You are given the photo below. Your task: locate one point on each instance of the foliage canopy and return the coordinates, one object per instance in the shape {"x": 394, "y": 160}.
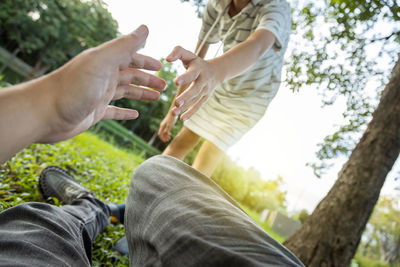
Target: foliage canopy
{"x": 47, "y": 33}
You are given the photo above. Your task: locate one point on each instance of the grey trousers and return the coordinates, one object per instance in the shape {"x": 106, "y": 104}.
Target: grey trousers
{"x": 40, "y": 234}
{"x": 174, "y": 216}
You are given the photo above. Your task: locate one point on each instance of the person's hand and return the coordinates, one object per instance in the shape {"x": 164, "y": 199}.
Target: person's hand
{"x": 202, "y": 75}
{"x": 164, "y": 132}
{"x": 81, "y": 90}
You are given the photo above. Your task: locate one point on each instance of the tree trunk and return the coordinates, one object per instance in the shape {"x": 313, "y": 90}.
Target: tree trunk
{"x": 332, "y": 233}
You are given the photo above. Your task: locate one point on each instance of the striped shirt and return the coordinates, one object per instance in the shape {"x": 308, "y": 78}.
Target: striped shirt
{"x": 238, "y": 104}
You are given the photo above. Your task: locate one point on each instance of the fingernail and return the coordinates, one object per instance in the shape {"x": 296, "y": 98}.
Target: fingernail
{"x": 184, "y": 118}
{"x": 180, "y": 103}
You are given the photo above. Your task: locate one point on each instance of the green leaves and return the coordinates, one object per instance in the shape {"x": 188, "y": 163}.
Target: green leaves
{"x": 335, "y": 52}
{"x": 50, "y": 32}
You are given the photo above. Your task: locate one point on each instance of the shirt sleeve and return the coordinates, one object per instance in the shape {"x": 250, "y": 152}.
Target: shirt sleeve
{"x": 275, "y": 17}
{"x": 209, "y": 16}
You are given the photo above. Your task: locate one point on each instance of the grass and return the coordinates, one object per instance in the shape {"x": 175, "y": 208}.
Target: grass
{"x": 98, "y": 165}
{"x": 101, "y": 167}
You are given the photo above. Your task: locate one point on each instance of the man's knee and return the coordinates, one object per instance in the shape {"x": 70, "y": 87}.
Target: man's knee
{"x": 161, "y": 174}
{"x": 156, "y": 175}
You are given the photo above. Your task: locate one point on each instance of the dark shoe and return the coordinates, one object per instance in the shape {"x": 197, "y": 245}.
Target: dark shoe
{"x": 55, "y": 182}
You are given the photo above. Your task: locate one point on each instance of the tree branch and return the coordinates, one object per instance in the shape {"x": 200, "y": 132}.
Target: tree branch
{"x": 385, "y": 38}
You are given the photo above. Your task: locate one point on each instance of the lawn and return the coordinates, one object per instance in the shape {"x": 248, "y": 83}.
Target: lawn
{"x": 98, "y": 165}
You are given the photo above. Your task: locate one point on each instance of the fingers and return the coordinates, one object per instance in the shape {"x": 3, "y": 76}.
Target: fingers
{"x": 190, "y": 96}
{"x": 180, "y": 53}
{"x": 116, "y": 113}
{"x": 193, "y": 109}
{"x": 187, "y": 104}
{"x": 134, "y": 76}
{"x": 135, "y": 92}
{"x": 121, "y": 50}
{"x": 145, "y": 62}
{"x": 189, "y": 76}
{"x": 190, "y": 100}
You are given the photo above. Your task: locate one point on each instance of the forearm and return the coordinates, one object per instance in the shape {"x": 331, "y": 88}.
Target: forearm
{"x": 23, "y": 111}
{"x": 242, "y": 56}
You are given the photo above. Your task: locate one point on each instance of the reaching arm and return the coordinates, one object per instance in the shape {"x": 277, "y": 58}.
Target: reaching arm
{"x": 71, "y": 99}
{"x": 204, "y": 75}
{"x": 164, "y": 132}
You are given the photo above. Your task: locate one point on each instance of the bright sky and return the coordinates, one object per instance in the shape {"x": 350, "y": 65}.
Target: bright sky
{"x": 284, "y": 140}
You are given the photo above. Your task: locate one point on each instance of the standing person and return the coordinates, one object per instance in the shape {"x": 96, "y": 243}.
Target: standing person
{"x": 226, "y": 96}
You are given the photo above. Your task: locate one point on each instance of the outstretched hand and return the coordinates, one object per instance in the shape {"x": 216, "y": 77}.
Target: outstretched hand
{"x": 203, "y": 77}
{"x": 83, "y": 88}
{"x": 72, "y": 98}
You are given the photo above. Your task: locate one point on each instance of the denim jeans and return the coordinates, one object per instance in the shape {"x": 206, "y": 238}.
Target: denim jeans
{"x": 175, "y": 216}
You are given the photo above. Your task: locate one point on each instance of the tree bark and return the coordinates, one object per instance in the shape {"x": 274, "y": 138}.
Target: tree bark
{"x": 333, "y": 231}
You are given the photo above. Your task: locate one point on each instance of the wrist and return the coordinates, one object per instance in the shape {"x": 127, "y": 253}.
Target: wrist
{"x": 40, "y": 95}
{"x": 171, "y": 114}
{"x": 23, "y": 110}
{"x": 218, "y": 68}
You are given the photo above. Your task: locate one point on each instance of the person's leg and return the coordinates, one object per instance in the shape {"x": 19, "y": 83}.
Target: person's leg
{"x": 175, "y": 216}
{"x": 185, "y": 141}
{"x": 39, "y": 234}
{"x": 207, "y": 158}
